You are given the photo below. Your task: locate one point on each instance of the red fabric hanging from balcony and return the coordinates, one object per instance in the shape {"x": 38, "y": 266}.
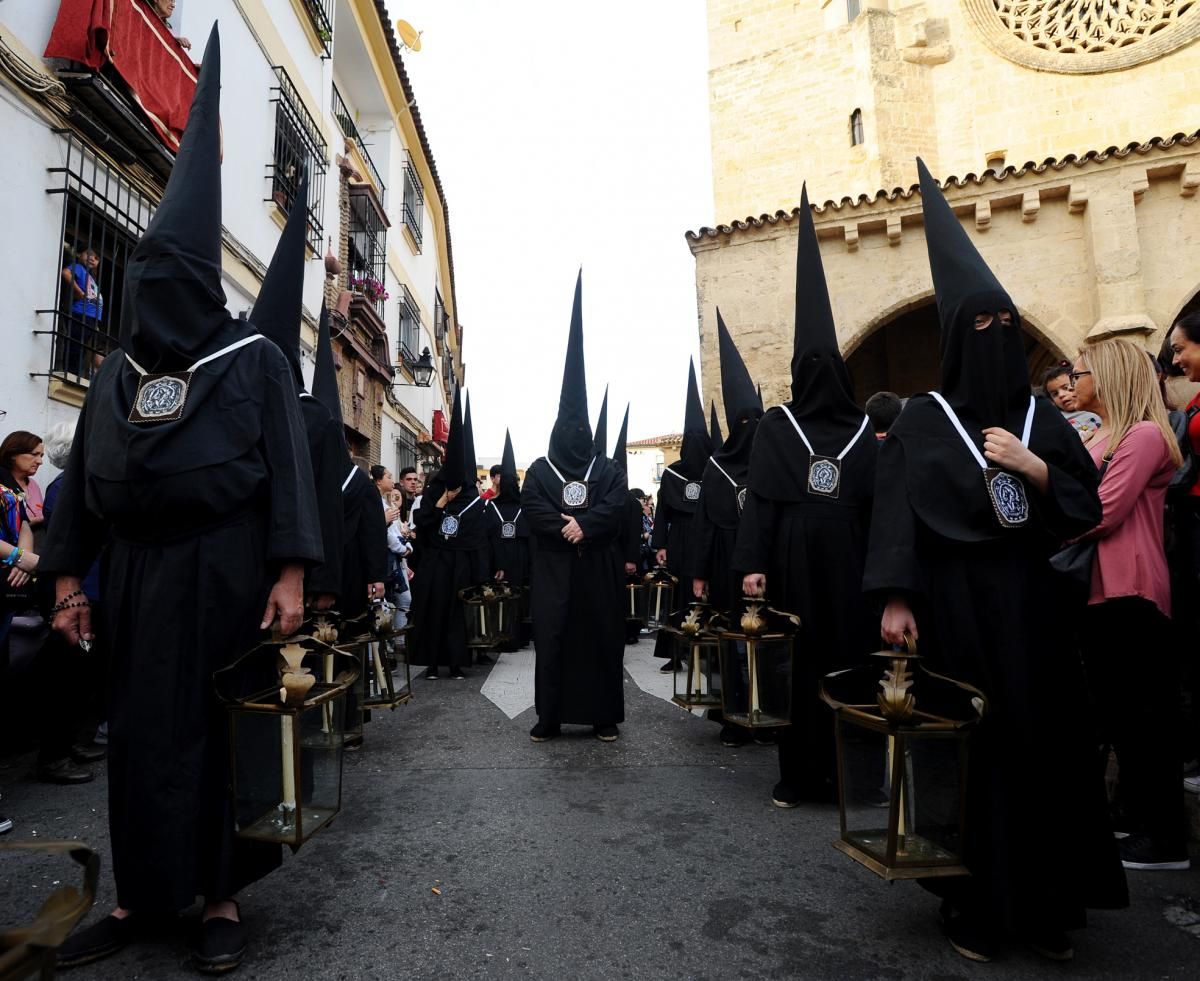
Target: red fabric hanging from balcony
{"x": 130, "y": 36}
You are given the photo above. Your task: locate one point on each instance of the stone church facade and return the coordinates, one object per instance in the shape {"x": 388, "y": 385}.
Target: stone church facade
{"x": 1064, "y": 134}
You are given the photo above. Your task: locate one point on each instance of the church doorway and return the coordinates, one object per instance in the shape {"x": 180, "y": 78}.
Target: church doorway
{"x": 901, "y": 356}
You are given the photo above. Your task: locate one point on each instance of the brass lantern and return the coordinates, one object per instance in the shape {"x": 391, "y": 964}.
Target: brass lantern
{"x": 698, "y": 649}
{"x": 902, "y": 765}
{"x": 379, "y": 687}
{"x": 286, "y": 732}
{"x": 508, "y": 612}
{"x": 480, "y": 611}
{"x": 27, "y": 952}
{"x": 757, "y": 651}
{"x": 659, "y": 597}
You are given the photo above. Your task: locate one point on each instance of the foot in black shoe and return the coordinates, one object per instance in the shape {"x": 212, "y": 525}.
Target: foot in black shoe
{"x": 670, "y": 667}
{"x": 967, "y": 935}
{"x": 543, "y": 731}
{"x": 482, "y": 658}
{"x": 1052, "y": 944}
{"x": 64, "y": 771}
{"x": 457, "y": 674}
{"x": 785, "y": 796}
{"x": 91, "y": 753}
{"x": 607, "y": 734}
{"x": 734, "y": 736}
{"x": 431, "y": 674}
{"x": 1141, "y": 852}
{"x": 221, "y": 946}
{"x": 100, "y": 940}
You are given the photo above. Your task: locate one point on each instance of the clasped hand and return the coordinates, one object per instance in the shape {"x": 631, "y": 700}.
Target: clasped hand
{"x": 571, "y": 530}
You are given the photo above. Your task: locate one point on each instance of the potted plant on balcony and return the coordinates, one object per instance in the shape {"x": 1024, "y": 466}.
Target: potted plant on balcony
{"x": 368, "y": 286}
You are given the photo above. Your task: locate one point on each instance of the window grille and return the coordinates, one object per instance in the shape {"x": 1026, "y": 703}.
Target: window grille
{"x": 367, "y": 240}
{"x": 410, "y": 327}
{"x": 406, "y": 451}
{"x": 413, "y": 210}
{"x": 345, "y": 120}
{"x": 852, "y": 10}
{"x": 105, "y": 214}
{"x": 299, "y": 148}
{"x": 856, "y": 128}
{"x": 320, "y": 12}
{"x": 440, "y": 319}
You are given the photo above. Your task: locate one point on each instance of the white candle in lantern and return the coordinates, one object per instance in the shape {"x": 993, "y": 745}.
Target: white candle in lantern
{"x": 287, "y": 759}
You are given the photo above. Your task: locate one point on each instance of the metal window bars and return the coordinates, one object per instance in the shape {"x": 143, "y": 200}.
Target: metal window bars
{"x": 406, "y": 451}
{"x": 412, "y": 211}
{"x": 345, "y": 121}
{"x": 367, "y": 241}
{"x": 410, "y": 327}
{"x": 104, "y": 215}
{"x": 440, "y": 319}
{"x": 320, "y": 12}
{"x": 299, "y": 148}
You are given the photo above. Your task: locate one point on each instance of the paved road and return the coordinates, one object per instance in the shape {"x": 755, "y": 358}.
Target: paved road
{"x": 659, "y": 856}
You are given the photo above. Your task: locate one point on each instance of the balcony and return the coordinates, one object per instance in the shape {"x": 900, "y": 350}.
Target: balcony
{"x": 345, "y": 121}
{"x": 131, "y": 79}
{"x": 320, "y": 14}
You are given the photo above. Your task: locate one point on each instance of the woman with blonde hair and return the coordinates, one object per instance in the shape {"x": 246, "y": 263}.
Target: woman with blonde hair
{"x": 1131, "y": 671}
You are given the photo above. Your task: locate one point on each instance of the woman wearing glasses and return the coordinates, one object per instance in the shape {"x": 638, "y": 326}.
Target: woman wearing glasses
{"x": 1130, "y": 598}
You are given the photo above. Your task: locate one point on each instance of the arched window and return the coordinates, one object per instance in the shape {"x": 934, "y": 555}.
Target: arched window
{"x": 852, "y": 10}
{"x": 856, "y": 128}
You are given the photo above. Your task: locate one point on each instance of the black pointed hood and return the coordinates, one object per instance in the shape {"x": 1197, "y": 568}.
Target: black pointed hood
{"x": 325, "y": 386}
{"x": 453, "y": 473}
{"x": 985, "y": 376}
{"x": 571, "y": 438}
{"x": 715, "y": 439}
{"x": 510, "y": 486}
{"x": 743, "y": 406}
{"x": 737, "y": 388}
{"x": 620, "y": 457}
{"x": 822, "y": 395}
{"x": 174, "y": 304}
{"x": 697, "y": 444}
{"x": 280, "y": 304}
{"x": 600, "y": 434}
{"x": 470, "y": 461}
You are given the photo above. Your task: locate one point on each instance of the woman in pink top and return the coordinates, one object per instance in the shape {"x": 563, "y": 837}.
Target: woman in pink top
{"x": 1124, "y": 633}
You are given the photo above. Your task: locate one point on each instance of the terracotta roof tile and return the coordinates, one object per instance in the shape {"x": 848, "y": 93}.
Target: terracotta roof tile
{"x": 905, "y": 193}
{"x": 668, "y": 440}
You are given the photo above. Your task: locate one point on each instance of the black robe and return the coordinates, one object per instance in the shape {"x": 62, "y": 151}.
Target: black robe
{"x": 990, "y": 613}
{"x": 673, "y": 518}
{"x": 193, "y": 553}
{"x": 509, "y": 555}
{"x": 811, "y": 549}
{"x": 326, "y": 452}
{"x": 577, "y": 598}
{"x": 448, "y": 565}
{"x": 365, "y": 553}
{"x": 714, "y": 534}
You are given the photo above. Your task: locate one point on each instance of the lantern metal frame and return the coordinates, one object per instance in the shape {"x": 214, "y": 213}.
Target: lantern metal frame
{"x": 897, "y": 851}
{"x": 290, "y": 821}
{"x": 698, "y": 649}
{"x": 660, "y": 597}
{"x": 492, "y": 613}
{"x": 757, "y": 625}
{"x": 635, "y": 601}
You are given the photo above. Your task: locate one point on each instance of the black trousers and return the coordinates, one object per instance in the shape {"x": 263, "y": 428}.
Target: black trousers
{"x": 1134, "y": 683}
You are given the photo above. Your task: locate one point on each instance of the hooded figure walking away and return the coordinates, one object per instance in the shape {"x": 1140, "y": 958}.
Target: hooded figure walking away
{"x": 510, "y": 533}
{"x": 483, "y": 560}
{"x": 364, "y": 529}
{"x": 277, "y": 315}
{"x": 192, "y": 462}
{"x": 715, "y": 524}
{"x": 452, "y": 528}
{"x": 574, "y": 500}
{"x": 678, "y": 498}
{"x": 629, "y": 535}
{"x": 978, "y": 484}
{"x": 803, "y": 533}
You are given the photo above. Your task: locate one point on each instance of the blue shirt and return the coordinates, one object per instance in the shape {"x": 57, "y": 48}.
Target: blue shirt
{"x": 93, "y": 304}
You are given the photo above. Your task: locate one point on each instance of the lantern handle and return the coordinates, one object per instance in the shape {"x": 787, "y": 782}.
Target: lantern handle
{"x": 909, "y": 646}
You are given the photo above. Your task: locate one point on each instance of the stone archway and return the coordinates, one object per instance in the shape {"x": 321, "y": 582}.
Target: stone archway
{"x": 901, "y": 355}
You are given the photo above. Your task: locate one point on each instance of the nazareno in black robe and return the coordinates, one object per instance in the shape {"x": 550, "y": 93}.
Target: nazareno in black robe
{"x": 448, "y": 565}
{"x": 509, "y": 555}
{"x": 327, "y": 455}
{"x": 577, "y": 598}
{"x": 365, "y": 555}
{"x": 202, "y": 512}
{"x": 811, "y": 548}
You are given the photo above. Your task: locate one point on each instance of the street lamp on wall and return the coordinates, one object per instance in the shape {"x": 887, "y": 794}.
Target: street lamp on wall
{"x": 422, "y": 371}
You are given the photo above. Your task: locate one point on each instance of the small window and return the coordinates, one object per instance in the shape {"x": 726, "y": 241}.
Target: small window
{"x": 406, "y": 450}
{"x": 299, "y": 149}
{"x": 413, "y": 208}
{"x": 410, "y": 326}
{"x": 852, "y": 10}
{"x": 856, "y": 128}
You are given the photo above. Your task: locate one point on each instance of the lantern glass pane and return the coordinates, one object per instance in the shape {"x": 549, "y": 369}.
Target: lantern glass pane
{"x": 380, "y": 689}
{"x": 508, "y": 617}
{"x": 635, "y": 601}
{"x": 698, "y": 682}
{"x": 660, "y": 602}
{"x": 356, "y": 694}
{"x": 757, "y": 681}
{"x": 288, "y": 771}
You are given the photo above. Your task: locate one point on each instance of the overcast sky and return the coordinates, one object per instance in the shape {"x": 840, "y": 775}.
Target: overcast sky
{"x": 566, "y": 135}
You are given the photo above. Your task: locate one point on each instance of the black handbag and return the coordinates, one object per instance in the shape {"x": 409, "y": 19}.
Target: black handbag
{"x": 1075, "y": 560}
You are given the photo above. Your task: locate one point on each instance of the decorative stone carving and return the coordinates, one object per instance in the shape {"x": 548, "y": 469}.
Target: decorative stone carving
{"x": 1085, "y": 36}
